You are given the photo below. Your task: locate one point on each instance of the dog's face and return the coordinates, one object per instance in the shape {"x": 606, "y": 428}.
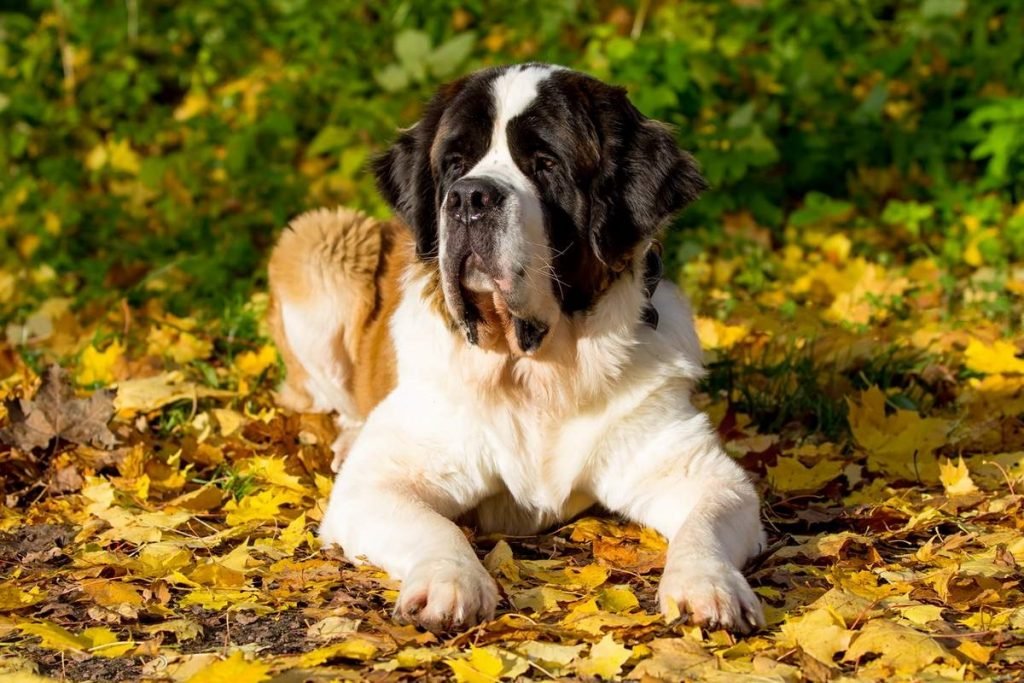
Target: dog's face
{"x": 533, "y": 187}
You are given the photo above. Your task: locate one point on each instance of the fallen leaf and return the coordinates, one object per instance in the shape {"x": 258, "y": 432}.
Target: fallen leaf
{"x": 486, "y": 665}
{"x": 605, "y": 659}
{"x": 901, "y": 444}
{"x": 55, "y": 413}
{"x": 956, "y": 479}
{"x": 152, "y": 393}
{"x": 789, "y": 475}
{"x": 674, "y": 659}
{"x": 234, "y": 669}
{"x": 819, "y": 633}
{"x": 999, "y": 357}
{"x": 906, "y": 650}
{"x": 97, "y": 367}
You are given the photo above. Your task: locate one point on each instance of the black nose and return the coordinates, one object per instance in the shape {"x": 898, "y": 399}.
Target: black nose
{"x": 470, "y": 199}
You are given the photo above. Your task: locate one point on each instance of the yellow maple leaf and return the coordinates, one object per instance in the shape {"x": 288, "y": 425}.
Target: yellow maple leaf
{"x": 999, "y": 357}
{"x": 836, "y": 247}
{"x": 53, "y": 637}
{"x": 262, "y": 506}
{"x": 486, "y": 665}
{"x": 122, "y": 157}
{"x": 820, "y": 633}
{"x": 901, "y": 444}
{"x": 956, "y": 479}
{"x": 253, "y": 363}
{"x": 196, "y": 102}
{"x": 551, "y": 656}
{"x": 617, "y": 599}
{"x": 900, "y": 647}
{"x": 272, "y": 471}
{"x": 976, "y": 651}
{"x": 104, "y": 643}
{"x": 714, "y": 334}
{"x": 97, "y": 367}
{"x": 234, "y": 669}
{"x": 12, "y": 597}
{"x": 605, "y": 659}
{"x": 178, "y": 345}
{"x": 789, "y": 475}
{"x": 541, "y": 599}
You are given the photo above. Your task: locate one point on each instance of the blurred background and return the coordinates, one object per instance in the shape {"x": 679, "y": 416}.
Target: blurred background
{"x": 155, "y": 148}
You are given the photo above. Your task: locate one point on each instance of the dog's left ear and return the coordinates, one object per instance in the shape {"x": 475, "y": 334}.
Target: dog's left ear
{"x": 644, "y": 177}
{"x": 404, "y": 176}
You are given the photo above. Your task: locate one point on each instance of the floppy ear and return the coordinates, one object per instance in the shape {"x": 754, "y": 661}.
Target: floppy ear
{"x": 644, "y": 178}
{"x": 404, "y": 176}
{"x": 404, "y": 179}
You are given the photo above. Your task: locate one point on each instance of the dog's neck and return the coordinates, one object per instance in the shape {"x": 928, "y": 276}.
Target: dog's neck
{"x": 583, "y": 356}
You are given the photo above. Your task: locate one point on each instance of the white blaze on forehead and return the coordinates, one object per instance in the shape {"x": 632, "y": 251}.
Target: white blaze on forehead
{"x": 512, "y": 93}
{"x": 521, "y": 241}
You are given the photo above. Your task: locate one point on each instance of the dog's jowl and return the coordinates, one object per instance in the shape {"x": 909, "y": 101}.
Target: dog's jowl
{"x": 504, "y": 349}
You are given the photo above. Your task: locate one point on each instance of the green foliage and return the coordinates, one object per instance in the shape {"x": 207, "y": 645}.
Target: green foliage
{"x": 155, "y": 148}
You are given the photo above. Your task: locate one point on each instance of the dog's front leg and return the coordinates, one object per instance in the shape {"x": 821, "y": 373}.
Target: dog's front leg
{"x": 393, "y": 504}
{"x": 684, "y": 485}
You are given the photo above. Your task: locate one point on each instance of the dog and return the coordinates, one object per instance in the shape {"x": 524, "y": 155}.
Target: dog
{"x": 504, "y": 353}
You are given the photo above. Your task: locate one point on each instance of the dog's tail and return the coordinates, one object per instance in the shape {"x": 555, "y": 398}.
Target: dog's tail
{"x": 327, "y": 287}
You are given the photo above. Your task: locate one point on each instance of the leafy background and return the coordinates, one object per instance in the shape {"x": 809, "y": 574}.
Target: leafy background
{"x": 857, "y": 268}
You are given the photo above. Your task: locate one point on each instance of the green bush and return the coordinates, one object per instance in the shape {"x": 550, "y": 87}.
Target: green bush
{"x": 157, "y": 146}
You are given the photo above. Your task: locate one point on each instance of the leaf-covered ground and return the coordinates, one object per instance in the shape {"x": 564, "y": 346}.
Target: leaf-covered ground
{"x": 878, "y": 402}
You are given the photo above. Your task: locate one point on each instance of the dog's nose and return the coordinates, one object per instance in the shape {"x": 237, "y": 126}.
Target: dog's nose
{"x": 470, "y": 199}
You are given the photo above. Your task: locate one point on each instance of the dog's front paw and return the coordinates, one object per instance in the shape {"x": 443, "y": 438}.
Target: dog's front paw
{"x": 714, "y": 593}
{"x": 441, "y": 595}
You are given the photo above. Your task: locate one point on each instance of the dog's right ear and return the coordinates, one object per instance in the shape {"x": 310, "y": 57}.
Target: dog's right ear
{"x": 404, "y": 175}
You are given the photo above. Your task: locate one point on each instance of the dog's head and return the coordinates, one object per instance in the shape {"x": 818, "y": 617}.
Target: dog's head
{"x": 533, "y": 187}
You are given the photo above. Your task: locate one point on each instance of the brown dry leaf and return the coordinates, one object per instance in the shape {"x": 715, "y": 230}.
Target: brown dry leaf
{"x": 152, "y": 393}
{"x": 674, "y": 659}
{"x": 55, "y": 413}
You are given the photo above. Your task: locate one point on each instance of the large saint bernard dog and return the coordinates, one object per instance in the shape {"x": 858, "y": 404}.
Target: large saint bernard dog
{"x": 504, "y": 353}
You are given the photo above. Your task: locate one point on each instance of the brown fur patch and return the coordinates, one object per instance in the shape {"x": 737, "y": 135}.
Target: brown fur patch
{"x": 346, "y": 257}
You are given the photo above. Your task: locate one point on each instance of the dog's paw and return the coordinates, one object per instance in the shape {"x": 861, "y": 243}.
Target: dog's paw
{"x": 713, "y": 593}
{"x": 442, "y": 595}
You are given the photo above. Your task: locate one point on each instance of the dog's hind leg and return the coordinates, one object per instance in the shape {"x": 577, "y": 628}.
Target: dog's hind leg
{"x": 323, "y": 286}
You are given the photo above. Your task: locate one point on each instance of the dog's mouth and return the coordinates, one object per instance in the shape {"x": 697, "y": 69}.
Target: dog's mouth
{"x": 474, "y": 276}
{"x": 489, "y": 320}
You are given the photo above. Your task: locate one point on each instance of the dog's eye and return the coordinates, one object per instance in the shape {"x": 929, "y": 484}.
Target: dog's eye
{"x": 544, "y": 163}
{"x": 455, "y": 163}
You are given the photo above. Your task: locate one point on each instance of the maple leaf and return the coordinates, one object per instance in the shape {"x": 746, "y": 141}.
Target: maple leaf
{"x": 901, "y": 444}
{"x": 903, "y": 648}
{"x": 55, "y": 413}
{"x": 234, "y": 669}
{"x": 97, "y": 367}
{"x": 956, "y": 479}
{"x": 487, "y": 664}
{"x": 997, "y": 358}
{"x": 605, "y": 659}
{"x": 789, "y": 475}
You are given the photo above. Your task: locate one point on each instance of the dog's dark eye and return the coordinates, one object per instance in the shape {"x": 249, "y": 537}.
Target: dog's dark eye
{"x": 455, "y": 163}
{"x": 543, "y": 163}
